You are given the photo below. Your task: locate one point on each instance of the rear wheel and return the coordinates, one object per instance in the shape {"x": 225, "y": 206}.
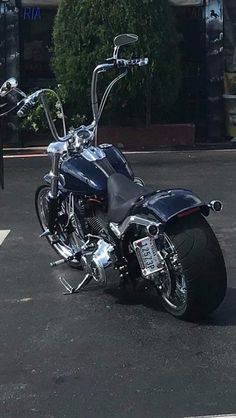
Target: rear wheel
{"x": 65, "y": 242}
{"x": 196, "y": 283}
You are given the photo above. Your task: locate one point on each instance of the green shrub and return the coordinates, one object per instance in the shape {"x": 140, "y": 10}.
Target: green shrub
{"x": 36, "y": 121}
{"x": 83, "y": 37}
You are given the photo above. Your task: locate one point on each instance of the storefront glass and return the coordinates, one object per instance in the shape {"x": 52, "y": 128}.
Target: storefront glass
{"x": 36, "y": 42}
{"x": 9, "y": 59}
{"x": 230, "y": 67}
{"x": 191, "y": 104}
{"x": 215, "y": 70}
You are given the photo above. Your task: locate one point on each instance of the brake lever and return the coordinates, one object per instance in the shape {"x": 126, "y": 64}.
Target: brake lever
{"x": 111, "y": 60}
{"x": 11, "y": 110}
{"x": 21, "y": 92}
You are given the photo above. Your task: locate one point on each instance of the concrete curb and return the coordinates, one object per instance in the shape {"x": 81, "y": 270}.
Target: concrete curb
{"x": 200, "y": 146}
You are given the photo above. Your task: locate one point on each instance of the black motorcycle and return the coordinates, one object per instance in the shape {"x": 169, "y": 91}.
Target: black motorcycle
{"x": 96, "y": 214}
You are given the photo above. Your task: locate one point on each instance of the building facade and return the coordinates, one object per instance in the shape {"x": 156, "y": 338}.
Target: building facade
{"x": 25, "y": 50}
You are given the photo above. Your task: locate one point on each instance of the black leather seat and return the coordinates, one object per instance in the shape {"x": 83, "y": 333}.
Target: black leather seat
{"x": 123, "y": 193}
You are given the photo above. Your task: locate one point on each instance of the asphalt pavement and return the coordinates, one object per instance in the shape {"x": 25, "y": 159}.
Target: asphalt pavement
{"x": 99, "y": 354}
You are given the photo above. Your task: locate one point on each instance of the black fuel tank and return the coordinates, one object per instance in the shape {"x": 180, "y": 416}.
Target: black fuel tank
{"x": 89, "y": 176}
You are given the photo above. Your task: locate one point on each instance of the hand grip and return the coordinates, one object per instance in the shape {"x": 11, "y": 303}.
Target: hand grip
{"x": 138, "y": 62}
{"x": 29, "y": 103}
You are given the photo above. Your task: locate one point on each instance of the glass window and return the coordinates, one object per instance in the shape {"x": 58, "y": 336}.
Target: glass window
{"x": 36, "y": 42}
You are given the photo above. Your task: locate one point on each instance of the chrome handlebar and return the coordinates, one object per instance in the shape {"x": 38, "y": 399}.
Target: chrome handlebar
{"x": 30, "y": 101}
{"x": 112, "y": 63}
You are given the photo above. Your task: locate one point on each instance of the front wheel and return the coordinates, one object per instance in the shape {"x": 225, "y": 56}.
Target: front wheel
{"x": 199, "y": 286}
{"x": 67, "y": 242}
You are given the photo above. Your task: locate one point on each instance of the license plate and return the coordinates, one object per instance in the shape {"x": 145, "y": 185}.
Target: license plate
{"x": 149, "y": 259}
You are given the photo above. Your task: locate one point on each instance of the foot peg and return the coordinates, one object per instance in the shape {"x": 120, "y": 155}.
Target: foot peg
{"x": 70, "y": 289}
{"x": 53, "y": 237}
{"x": 61, "y": 261}
{"x": 76, "y": 256}
{"x": 45, "y": 233}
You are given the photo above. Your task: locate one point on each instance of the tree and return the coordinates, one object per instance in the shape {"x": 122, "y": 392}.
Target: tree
{"x": 83, "y": 37}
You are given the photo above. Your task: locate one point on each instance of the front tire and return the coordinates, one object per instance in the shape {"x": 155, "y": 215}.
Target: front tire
{"x": 203, "y": 268}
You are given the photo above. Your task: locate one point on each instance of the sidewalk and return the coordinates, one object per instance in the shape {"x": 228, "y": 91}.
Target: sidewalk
{"x": 40, "y": 150}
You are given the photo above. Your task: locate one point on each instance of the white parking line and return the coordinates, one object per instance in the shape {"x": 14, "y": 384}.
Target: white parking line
{"x": 3, "y": 235}
{"x": 24, "y": 156}
{"x": 214, "y": 416}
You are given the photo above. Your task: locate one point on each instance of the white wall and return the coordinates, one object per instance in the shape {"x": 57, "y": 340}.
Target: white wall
{"x": 187, "y": 2}
{"x": 39, "y": 3}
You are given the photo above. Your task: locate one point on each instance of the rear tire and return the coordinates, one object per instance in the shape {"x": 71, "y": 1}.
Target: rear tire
{"x": 202, "y": 264}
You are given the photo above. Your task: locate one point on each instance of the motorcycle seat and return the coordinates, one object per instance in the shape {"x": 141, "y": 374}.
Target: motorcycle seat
{"x": 123, "y": 193}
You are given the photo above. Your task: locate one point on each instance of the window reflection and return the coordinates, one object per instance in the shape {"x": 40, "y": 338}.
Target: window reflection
{"x": 37, "y": 26}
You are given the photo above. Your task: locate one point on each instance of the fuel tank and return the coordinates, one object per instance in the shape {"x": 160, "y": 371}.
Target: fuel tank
{"x": 87, "y": 172}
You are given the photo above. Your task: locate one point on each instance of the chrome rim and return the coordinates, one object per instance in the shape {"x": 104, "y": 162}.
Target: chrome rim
{"x": 173, "y": 286}
{"x": 65, "y": 244}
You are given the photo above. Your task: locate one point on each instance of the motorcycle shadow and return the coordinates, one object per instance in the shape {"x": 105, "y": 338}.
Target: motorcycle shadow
{"x": 224, "y": 316}
{"x": 129, "y": 297}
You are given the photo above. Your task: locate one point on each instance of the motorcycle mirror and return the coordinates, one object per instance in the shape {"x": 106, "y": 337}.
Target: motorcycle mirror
{"x": 125, "y": 39}
{"x": 9, "y": 85}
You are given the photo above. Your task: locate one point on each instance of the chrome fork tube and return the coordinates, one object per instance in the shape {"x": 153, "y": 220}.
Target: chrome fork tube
{"x": 55, "y": 158}
{"x": 94, "y": 98}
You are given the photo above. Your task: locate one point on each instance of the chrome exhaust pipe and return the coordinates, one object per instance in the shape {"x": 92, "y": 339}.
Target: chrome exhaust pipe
{"x": 151, "y": 226}
{"x": 215, "y": 205}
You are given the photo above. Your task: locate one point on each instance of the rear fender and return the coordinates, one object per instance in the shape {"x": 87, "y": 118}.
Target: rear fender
{"x": 166, "y": 204}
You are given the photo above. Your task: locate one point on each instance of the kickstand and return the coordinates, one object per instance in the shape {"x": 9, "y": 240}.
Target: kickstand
{"x": 71, "y": 290}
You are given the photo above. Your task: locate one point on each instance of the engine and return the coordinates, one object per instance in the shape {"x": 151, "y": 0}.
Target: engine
{"x": 98, "y": 256}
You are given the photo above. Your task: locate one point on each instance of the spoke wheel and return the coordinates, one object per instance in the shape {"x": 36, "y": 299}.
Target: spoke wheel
{"x": 172, "y": 286}
{"x": 64, "y": 243}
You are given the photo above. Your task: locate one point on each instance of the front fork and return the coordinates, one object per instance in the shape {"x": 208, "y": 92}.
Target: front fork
{"x": 52, "y": 213}
{"x": 53, "y": 196}
{"x": 54, "y": 175}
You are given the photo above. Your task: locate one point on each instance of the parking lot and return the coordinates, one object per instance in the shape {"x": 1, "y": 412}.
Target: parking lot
{"x": 99, "y": 354}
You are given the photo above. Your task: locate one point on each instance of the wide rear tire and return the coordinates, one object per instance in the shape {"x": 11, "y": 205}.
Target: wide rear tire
{"x": 202, "y": 264}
